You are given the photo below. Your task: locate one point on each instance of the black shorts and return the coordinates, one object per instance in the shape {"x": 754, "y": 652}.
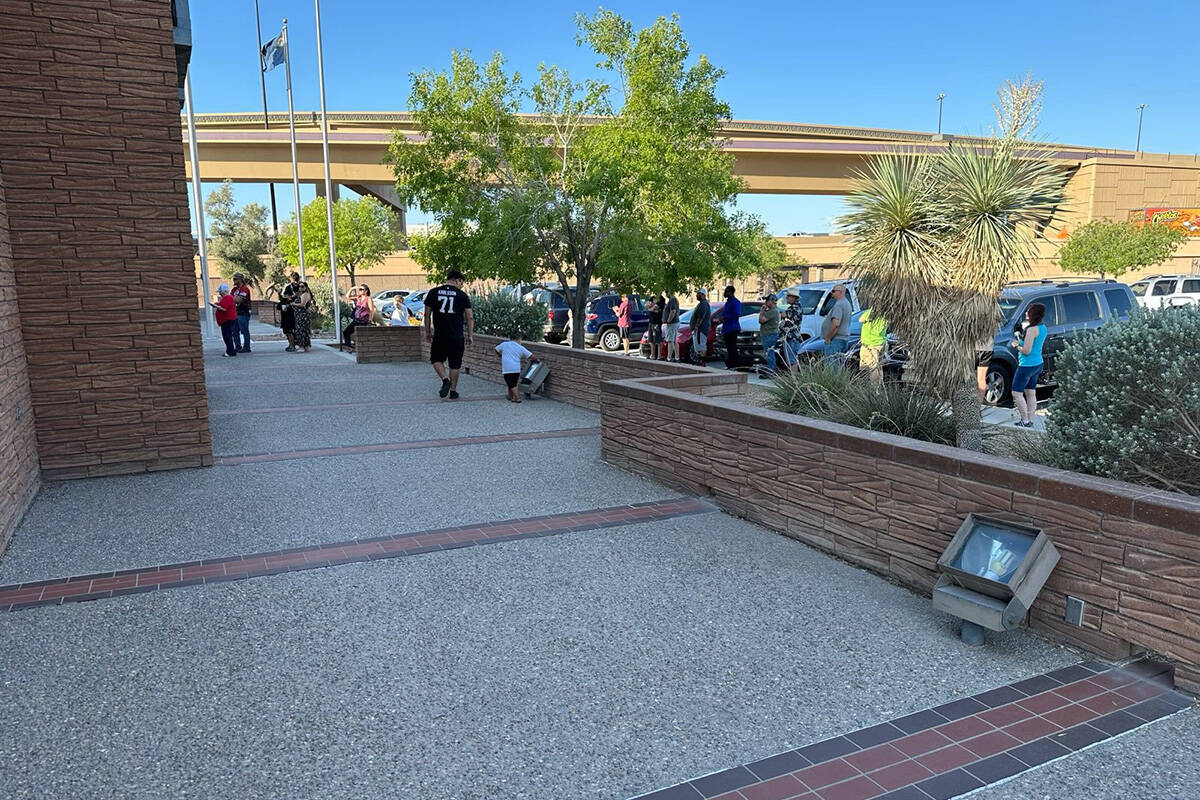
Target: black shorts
{"x": 511, "y": 379}
{"x": 983, "y": 358}
{"x": 287, "y": 320}
{"x": 448, "y": 350}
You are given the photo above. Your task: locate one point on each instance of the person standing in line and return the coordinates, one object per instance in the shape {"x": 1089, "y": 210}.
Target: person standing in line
{"x": 287, "y": 314}
{"x": 622, "y": 311}
{"x": 731, "y": 327}
{"x": 654, "y": 333}
{"x": 872, "y": 345}
{"x": 241, "y": 297}
{"x": 302, "y": 306}
{"x": 1029, "y": 364}
{"x": 790, "y": 329}
{"x": 700, "y": 322}
{"x": 446, "y": 307}
{"x": 348, "y": 331}
{"x": 835, "y": 328}
{"x": 768, "y": 331}
{"x": 511, "y": 352}
{"x": 225, "y": 311}
{"x": 671, "y": 326}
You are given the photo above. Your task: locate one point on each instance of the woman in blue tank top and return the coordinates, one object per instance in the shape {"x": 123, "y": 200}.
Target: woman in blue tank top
{"x": 1029, "y": 364}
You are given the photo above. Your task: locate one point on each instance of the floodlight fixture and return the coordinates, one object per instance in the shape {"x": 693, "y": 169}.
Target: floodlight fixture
{"x": 990, "y": 574}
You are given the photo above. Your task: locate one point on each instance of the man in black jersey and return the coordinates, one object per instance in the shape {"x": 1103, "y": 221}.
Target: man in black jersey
{"x": 446, "y": 307}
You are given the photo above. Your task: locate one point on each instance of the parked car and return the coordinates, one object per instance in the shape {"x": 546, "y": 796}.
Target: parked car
{"x": 415, "y": 303}
{"x": 816, "y": 299}
{"x": 1072, "y": 307}
{"x": 390, "y": 294}
{"x": 1165, "y": 291}
{"x": 600, "y": 324}
{"x": 558, "y": 313}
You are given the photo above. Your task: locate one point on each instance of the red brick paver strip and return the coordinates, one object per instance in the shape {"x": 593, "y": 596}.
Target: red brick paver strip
{"x": 387, "y": 447}
{"x": 16, "y": 597}
{"x": 958, "y": 747}
{"x": 240, "y": 412}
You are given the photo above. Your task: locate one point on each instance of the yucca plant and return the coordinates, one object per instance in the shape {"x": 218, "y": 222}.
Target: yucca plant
{"x": 935, "y": 237}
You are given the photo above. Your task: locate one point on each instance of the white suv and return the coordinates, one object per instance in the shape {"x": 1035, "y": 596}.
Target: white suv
{"x": 1164, "y": 291}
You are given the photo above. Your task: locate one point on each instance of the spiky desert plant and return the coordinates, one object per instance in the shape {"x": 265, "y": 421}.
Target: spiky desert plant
{"x": 935, "y": 237}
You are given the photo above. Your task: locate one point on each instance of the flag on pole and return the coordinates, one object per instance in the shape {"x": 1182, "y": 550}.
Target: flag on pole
{"x": 274, "y": 52}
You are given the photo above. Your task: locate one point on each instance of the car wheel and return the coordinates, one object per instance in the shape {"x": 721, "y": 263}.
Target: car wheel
{"x": 610, "y": 340}
{"x": 999, "y": 385}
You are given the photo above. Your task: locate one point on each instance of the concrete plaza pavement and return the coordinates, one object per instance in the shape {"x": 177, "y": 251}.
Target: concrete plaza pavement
{"x": 592, "y": 664}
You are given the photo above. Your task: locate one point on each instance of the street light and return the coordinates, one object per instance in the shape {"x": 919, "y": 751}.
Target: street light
{"x": 940, "y": 98}
{"x": 991, "y": 572}
{"x": 1141, "y": 110}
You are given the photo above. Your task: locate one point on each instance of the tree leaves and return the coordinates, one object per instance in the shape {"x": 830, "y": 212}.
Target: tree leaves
{"x": 1113, "y": 248}
{"x": 362, "y": 230}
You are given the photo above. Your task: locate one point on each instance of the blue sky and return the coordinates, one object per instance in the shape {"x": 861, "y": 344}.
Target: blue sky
{"x": 869, "y": 63}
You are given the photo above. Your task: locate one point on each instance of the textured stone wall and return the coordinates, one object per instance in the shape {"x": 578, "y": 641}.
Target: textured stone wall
{"x": 375, "y": 344}
{"x": 101, "y": 245}
{"x": 892, "y": 504}
{"x": 18, "y": 445}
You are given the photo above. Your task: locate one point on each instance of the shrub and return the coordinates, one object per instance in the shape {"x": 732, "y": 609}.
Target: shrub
{"x": 504, "y": 315}
{"x": 1128, "y": 401}
{"x": 849, "y": 398}
{"x": 322, "y": 317}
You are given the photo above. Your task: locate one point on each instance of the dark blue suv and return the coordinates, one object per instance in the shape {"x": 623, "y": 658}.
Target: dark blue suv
{"x": 600, "y": 327}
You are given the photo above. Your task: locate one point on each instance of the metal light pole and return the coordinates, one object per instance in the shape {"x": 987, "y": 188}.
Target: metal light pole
{"x": 207, "y": 329}
{"x": 940, "y": 98}
{"x": 337, "y": 307}
{"x": 1141, "y": 110}
{"x": 262, "y": 82}
{"x": 287, "y": 63}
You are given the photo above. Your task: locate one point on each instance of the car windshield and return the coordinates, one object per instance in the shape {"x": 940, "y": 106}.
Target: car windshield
{"x": 1139, "y": 289}
{"x": 1008, "y": 306}
{"x": 809, "y": 298}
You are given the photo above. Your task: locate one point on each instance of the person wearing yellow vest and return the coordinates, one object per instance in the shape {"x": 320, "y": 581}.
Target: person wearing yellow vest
{"x": 872, "y": 342}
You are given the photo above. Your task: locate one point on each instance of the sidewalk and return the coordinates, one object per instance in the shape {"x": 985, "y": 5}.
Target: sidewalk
{"x": 462, "y": 600}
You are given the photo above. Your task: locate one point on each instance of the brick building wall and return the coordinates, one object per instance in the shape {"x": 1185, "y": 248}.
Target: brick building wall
{"x": 892, "y": 504}
{"x": 101, "y": 244}
{"x": 18, "y": 446}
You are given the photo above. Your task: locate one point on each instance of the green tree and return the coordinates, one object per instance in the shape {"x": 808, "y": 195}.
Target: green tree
{"x": 239, "y": 237}
{"x": 935, "y": 237}
{"x": 628, "y": 186}
{"x": 362, "y": 233}
{"x": 1114, "y": 248}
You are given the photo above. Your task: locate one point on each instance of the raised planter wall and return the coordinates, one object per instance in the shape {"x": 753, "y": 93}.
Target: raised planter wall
{"x": 891, "y": 504}
{"x": 267, "y": 311}
{"x": 377, "y": 344}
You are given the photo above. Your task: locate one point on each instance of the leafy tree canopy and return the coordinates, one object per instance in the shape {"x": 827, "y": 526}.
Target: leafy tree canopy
{"x": 239, "y": 237}
{"x": 623, "y": 184}
{"x": 362, "y": 230}
{"x": 1114, "y": 248}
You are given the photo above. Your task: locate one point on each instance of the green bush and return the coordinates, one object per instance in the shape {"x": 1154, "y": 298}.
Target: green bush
{"x": 848, "y": 398}
{"x": 1128, "y": 401}
{"x": 504, "y": 315}
{"x": 322, "y": 315}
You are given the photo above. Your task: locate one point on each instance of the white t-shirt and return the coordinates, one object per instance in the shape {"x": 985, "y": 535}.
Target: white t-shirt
{"x": 399, "y": 315}
{"x": 511, "y": 354}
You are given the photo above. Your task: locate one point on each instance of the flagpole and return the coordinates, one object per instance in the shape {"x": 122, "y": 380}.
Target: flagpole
{"x": 262, "y": 82}
{"x": 206, "y": 317}
{"x": 337, "y": 307}
{"x": 287, "y": 64}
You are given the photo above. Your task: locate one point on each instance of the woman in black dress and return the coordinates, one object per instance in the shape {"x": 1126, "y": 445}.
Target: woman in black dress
{"x": 302, "y": 305}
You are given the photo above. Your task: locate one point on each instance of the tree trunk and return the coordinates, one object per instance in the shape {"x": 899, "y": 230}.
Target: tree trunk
{"x": 579, "y": 301}
{"x": 968, "y": 417}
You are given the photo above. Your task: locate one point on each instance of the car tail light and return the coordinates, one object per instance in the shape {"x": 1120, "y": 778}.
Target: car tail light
{"x": 593, "y": 317}
{"x": 550, "y": 316}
